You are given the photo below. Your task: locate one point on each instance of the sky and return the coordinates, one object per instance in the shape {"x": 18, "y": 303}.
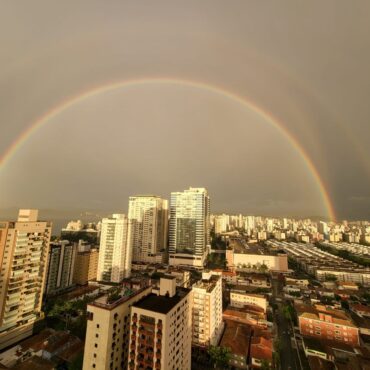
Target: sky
{"x": 305, "y": 64}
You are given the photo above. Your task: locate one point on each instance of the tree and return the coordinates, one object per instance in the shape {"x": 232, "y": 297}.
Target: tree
{"x": 263, "y": 268}
{"x": 220, "y": 357}
{"x": 345, "y": 305}
{"x": 265, "y": 365}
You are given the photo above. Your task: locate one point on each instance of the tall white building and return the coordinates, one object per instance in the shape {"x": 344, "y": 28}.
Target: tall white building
{"x": 207, "y": 310}
{"x": 189, "y": 228}
{"x": 250, "y": 223}
{"x": 221, "y": 223}
{"x": 24, "y": 246}
{"x": 147, "y": 228}
{"x": 114, "y": 255}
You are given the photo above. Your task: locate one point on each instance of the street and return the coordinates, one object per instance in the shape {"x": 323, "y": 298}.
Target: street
{"x": 288, "y": 354}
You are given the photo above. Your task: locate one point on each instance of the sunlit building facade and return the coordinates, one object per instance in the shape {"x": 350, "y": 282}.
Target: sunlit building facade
{"x": 24, "y": 246}
{"x": 160, "y": 333}
{"x": 147, "y": 228}
{"x": 114, "y": 255}
{"x": 207, "y": 310}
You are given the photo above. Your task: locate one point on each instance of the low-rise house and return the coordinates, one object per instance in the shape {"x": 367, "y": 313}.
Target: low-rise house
{"x": 361, "y": 310}
{"x": 260, "y": 351}
{"x": 238, "y": 299}
{"x": 236, "y": 337}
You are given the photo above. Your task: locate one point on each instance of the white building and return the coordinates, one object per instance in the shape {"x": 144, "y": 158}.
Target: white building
{"x": 221, "y": 223}
{"x": 147, "y": 228}
{"x": 238, "y": 299}
{"x": 207, "y": 310}
{"x": 114, "y": 255}
{"x": 189, "y": 231}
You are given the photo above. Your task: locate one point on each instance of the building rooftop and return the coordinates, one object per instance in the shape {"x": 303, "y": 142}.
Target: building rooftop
{"x": 161, "y": 304}
{"x": 261, "y": 348}
{"x": 244, "y": 248}
{"x": 207, "y": 284}
{"x": 125, "y": 295}
{"x": 236, "y": 337}
{"x": 35, "y": 363}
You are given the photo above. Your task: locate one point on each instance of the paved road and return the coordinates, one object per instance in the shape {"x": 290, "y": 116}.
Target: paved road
{"x": 288, "y": 354}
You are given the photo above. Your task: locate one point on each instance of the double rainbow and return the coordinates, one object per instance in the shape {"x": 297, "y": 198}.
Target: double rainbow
{"x": 64, "y": 105}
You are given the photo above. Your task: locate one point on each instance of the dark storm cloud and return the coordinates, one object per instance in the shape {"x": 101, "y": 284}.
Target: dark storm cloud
{"x": 306, "y": 63}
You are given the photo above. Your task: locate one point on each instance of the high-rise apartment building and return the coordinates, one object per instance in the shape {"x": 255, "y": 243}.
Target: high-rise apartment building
{"x": 24, "y": 246}
{"x": 207, "y": 310}
{"x": 86, "y": 266}
{"x": 160, "y": 334}
{"x": 221, "y": 223}
{"x": 108, "y": 330}
{"x": 189, "y": 230}
{"x": 61, "y": 263}
{"x": 147, "y": 228}
{"x": 114, "y": 255}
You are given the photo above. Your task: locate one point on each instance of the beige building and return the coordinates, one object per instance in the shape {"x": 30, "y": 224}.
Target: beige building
{"x": 147, "y": 228}
{"x": 86, "y": 266}
{"x": 114, "y": 255}
{"x": 273, "y": 262}
{"x": 207, "y": 310}
{"x": 108, "y": 330}
{"x": 24, "y": 246}
{"x": 161, "y": 329}
{"x": 242, "y": 299}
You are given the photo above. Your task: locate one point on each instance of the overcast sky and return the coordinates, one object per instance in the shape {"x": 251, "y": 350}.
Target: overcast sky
{"x": 306, "y": 63}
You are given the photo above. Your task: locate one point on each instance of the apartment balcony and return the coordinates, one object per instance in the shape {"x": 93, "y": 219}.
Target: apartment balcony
{"x": 134, "y": 319}
{"x": 10, "y": 321}
{"x": 133, "y": 346}
{"x": 140, "y": 357}
{"x": 158, "y": 354}
{"x": 147, "y": 323}
{"x": 157, "y": 365}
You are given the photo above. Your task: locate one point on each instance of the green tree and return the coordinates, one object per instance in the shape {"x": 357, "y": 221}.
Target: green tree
{"x": 330, "y": 277}
{"x": 265, "y": 365}
{"x": 263, "y": 268}
{"x": 220, "y": 357}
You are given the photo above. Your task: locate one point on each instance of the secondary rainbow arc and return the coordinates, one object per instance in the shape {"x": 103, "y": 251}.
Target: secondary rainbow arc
{"x": 268, "y": 117}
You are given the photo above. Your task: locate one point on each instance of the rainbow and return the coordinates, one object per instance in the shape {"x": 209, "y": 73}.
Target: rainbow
{"x": 64, "y": 105}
